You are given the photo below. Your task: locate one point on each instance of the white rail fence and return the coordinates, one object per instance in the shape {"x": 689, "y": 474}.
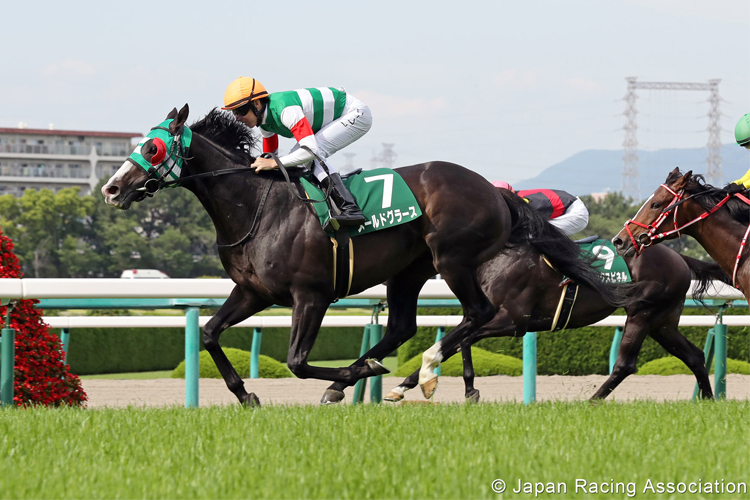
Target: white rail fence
{"x": 28, "y": 288}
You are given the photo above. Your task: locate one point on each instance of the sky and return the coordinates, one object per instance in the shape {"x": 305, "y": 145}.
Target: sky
{"x": 505, "y": 88}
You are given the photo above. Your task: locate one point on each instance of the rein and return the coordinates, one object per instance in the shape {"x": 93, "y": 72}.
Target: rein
{"x": 678, "y": 200}
{"x": 156, "y": 182}
{"x": 263, "y": 198}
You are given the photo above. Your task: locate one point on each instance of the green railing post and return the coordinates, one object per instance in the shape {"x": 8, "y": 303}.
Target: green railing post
{"x": 361, "y": 385}
{"x": 7, "y": 366}
{"x": 255, "y": 353}
{"x": 376, "y": 384}
{"x": 438, "y": 338}
{"x": 65, "y": 340}
{"x": 615, "y": 349}
{"x": 708, "y": 354}
{"x": 192, "y": 348}
{"x": 529, "y": 368}
{"x": 720, "y": 360}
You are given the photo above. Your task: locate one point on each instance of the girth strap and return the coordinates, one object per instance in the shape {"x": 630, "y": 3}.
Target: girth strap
{"x": 565, "y": 307}
{"x": 343, "y": 263}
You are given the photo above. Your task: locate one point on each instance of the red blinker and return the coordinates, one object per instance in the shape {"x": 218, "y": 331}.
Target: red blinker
{"x": 161, "y": 151}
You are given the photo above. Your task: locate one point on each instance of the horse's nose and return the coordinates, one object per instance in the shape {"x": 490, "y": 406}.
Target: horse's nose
{"x": 110, "y": 191}
{"x": 617, "y": 242}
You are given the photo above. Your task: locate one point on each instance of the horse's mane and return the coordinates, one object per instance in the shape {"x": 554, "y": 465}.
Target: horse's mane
{"x": 221, "y": 128}
{"x": 708, "y": 196}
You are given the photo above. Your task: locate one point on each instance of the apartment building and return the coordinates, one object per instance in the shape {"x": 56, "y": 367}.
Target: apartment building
{"x": 55, "y": 159}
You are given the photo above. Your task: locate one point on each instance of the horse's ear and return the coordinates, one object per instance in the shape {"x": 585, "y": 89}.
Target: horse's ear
{"x": 171, "y": 114}
{"x": 180, "y": 120}
{"x": 683, "y": 181}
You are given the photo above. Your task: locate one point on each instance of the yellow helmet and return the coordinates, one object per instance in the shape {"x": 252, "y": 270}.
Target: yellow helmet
{"x": 243, "y": 90}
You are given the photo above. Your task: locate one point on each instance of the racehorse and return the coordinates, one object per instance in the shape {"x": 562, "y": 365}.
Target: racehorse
{"x": 281, "y": 256}
{"x": 683, "y": 204}
{"x": 289, "y": 260}
{"x": 527, "y": 292}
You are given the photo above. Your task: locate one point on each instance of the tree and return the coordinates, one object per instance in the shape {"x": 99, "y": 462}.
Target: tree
{"x": 171, "y": 232}
{"x": 41, "y": 222}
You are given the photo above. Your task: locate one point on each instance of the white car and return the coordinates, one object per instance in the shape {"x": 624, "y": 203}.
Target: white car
{"x": 143, "y": 273}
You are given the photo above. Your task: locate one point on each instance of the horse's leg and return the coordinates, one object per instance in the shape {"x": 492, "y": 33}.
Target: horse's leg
{"x": 636, "y": 328}
{"x": 670, "y": 338}
{"x": 241, "y": 304}
{"x": 477, "y": 311}
{"x": 471, "y": 394}
{"x": 309, "y": 311}
{"x": 410, "y": 382}
{"x": 403, "y": 294}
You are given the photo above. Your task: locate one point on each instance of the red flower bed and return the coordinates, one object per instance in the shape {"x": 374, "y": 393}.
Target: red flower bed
{"x": 41, "y": 375}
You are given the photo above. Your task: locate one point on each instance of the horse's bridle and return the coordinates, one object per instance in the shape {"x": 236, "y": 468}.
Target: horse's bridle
{"x": 651, "y": 234}
{"x": 678, "y": 200}
{"x": 155, "y": 181}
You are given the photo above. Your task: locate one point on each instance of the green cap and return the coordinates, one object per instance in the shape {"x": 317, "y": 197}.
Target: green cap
{"x": 742, "y": 130}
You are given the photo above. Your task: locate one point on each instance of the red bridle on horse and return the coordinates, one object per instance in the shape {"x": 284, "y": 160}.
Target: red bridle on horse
{"x": 677, "y": 200}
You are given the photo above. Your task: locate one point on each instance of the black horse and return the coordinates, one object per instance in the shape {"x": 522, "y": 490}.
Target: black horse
{"x": 289, "y": 259}
{"x": 526, "y": 291}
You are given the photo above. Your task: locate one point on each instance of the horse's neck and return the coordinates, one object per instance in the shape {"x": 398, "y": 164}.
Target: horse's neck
{"x": 720, "y": 235}
{"x": 231, "y": 200}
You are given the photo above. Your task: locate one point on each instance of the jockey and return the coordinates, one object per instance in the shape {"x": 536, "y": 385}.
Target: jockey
{"x": 564, "y": 211}
{"x": 742, "y": 135}
{"x": 324, "y": 119}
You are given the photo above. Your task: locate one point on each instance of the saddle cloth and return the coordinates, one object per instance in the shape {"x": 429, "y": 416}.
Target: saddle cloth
{"x": 611, "y": 266}
{"x": 381, "y": 194}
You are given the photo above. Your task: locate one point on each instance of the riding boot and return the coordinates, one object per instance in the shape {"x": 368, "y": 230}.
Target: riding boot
{"x": 349, "y": 213}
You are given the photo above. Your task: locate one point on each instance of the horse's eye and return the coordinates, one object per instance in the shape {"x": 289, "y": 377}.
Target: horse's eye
{"x": 156, "y": 150}
{"x": 655, "y": 205}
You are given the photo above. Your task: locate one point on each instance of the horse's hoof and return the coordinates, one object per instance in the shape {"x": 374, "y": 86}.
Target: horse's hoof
{"x": 331, "y": 397}
{"x": 394, "y": 396}
{"x": 251, "y": 401}
{"x": 429, "y": 387}
{"x": 472, "y": 396}
{"x": 377, "y": 367}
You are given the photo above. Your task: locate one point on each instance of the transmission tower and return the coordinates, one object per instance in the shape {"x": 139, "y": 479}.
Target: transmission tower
{"x": 630, "y": 184}
{"x": 386, "y": 158}
{"x": 713, "y": 158}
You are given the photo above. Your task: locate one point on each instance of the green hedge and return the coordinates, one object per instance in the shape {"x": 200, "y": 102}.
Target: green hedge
{"x": 120, "y": 350}
{"x": 673, "y": 366}
{"x": 268, "y": 367}
{"x": 582, "y": 351}
{"x": 485, "y": 364}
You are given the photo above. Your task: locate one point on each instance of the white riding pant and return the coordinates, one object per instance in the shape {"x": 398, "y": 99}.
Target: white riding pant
{"x": 574, "y": 220}
{"x": 354, "y": 122}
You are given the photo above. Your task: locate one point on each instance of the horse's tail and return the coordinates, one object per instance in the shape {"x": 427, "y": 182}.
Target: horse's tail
{"x": 564, "y": 254}
{"x": 704, "y": 273}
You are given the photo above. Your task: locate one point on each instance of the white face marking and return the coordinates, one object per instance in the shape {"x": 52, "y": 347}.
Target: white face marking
{"x": 121, "y": 172}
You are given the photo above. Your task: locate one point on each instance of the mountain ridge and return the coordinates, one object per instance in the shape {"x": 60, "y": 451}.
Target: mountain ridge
{"x": 596, "y": 170}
